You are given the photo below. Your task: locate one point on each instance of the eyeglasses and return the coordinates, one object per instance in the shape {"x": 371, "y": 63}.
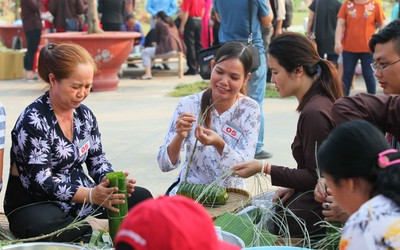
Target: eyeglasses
{"x": 378, "y": 67}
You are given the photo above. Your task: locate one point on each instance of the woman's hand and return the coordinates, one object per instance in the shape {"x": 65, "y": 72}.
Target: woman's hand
{"x": 130, "y": 185}
{"x": 183, "y": 124}
{"x": 105, "y": 196}
{"x": 283, "y": 195}
{"x": 209, "y": 137}
{"x": 338, "y": 48}
{"x": 320, "y": 190}
{"x": 332, "y": 211}
{"x": 247, "y": 169}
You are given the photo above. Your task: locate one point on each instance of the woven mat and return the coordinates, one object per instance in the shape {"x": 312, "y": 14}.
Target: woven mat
{"x": 238, "y": 199}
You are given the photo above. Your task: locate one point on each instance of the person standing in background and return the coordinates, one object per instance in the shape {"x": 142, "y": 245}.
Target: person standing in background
{"x": 278, "y": 9}
{"x": 322, "y": 24}
{"x": 32, "y": 25}
{"x": 234, "y": 28}
{"x": 2, "y": 141}
{"x": 395, "y": 10}
{"x": 190, "y": 29}
{"x": 112, "y": 14}
{"x": 170, "y": 7}
{"x": 48, "y": 24}
{"x": 352, "y": 41}
{"x": 206, "y": 29}
{"x": 129, "y": 6}
{"x": 63, "y": 9}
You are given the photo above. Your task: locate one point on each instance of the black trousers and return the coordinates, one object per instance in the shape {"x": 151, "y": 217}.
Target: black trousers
{"x": 46, "y": 217}
{"x": 111, "y": 26}
{"x": 32, "y": 43}
{"x": 192, "y": 39}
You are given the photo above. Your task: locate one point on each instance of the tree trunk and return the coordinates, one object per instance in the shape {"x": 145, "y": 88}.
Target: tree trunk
{"x": 93, "y": 18}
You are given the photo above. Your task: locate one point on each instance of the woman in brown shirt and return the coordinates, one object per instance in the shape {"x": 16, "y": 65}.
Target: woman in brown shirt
{"x": 297, "y": 70}
{"x": 168, "y": 42}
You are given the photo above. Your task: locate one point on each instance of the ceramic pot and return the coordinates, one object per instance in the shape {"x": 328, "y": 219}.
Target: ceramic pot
{"x": 109, "y": 49}
{"x": 8, "y": 32}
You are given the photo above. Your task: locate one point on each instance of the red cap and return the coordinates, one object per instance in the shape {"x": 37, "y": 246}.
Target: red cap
{"x": 170, "y": 223}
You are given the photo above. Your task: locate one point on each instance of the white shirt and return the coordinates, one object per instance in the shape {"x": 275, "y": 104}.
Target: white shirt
{"x": 208, "y": 164}
{"x": 376, "y": 225}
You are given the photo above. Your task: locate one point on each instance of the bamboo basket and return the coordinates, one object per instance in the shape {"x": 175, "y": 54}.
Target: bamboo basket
{"x": 238, "y": 199}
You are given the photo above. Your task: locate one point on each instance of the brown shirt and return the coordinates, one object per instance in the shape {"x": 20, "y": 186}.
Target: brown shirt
{"x": 167, "y": 38}
{"x": 314, "y": 124}
{"x": 62, "y": 9}
{"x": 381, "y": 110}
{"x": 30, "y": 15}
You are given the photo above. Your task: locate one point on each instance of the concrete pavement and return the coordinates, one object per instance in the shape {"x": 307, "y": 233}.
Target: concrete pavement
{"x": 134, "y": 119}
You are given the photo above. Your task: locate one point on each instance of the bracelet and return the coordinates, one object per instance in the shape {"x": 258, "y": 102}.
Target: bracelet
{"x": 263, "y": 164}
{"x": 267, "y": 166}
{"x": 90, "y": 196}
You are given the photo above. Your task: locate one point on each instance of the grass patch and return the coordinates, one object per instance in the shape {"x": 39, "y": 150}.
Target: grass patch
{"x": 184, "y": 89}
{"x": 271, "y": 91}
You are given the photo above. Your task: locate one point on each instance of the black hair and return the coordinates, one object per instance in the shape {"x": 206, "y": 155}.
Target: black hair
{"x": 165, "y": 18}
{"x": 229, "y": 50}
{"x": 352, "y": 150}
{"x": 129, "y": 16}
{"x": 388, "y": 33}
{"x": 293, "y": 50}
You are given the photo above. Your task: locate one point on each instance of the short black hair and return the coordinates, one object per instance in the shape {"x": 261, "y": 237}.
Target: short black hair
{"x": 388, "y": 33}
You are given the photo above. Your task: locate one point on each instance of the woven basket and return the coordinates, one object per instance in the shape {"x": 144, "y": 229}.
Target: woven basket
{"x": 238, "y": 199}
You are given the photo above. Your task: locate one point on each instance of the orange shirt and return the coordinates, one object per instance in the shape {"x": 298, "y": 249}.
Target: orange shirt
{"x": 360, "y": 21}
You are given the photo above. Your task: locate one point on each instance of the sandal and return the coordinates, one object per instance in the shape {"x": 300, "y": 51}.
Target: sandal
{"x": 144, "y": 78}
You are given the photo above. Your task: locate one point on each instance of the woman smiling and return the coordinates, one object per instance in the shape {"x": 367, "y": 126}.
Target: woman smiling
{"x": 229, "y": 133}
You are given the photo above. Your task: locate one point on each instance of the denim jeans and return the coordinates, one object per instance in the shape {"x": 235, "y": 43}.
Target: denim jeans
{"x": 350, "y": 60}
{"x": 256, "y": 90}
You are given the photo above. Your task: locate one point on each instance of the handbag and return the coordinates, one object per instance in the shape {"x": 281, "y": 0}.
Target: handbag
{"x": 208, "y": 54}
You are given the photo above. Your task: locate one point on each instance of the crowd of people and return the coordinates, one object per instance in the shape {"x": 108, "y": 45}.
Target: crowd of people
{"x": 221, "y": 128}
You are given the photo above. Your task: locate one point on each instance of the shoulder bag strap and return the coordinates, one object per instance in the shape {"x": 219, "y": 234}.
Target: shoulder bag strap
{"x": 250, "y": 39}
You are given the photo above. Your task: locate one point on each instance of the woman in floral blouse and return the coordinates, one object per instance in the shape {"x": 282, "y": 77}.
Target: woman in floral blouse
{"x": 363, "y": 174}
{"x": 228, "y": 134}
{"x": 51, "y": 140}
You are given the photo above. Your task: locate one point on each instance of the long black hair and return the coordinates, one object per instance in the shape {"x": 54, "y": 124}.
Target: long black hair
{"x": 293, "y": 50}
{"x": 165, "y": 18}
{"x": 230, "y": 50}
{"x": 353, "y": 150}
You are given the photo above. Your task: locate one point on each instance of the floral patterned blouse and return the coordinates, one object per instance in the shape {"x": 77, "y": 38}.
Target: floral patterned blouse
{"x": 49, "y": 165}
{"x": 208, "y": 165}
{"x": 376, "y": 225}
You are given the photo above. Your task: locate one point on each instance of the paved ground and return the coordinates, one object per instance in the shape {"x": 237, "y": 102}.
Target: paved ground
{"x": 133, "y": 121}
